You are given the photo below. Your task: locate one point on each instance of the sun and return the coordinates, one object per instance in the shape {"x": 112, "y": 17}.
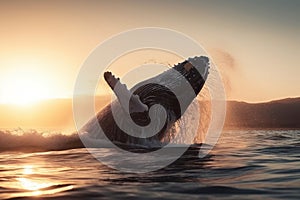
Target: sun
{"x": 23, "y": 86}
{"x": 22, "y": 91}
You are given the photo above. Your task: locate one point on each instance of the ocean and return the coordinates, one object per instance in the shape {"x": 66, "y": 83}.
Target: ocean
{"x": 245, "y": 164}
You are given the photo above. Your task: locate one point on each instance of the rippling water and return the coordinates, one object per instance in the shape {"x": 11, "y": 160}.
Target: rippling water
{"x": 245, "y": 164}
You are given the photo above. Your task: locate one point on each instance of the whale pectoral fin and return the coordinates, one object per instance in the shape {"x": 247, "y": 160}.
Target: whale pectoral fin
{"x": 124, "y": 95}
{"x": 111, "y": 80}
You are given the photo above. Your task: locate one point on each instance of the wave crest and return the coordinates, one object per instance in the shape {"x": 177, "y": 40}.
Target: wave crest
{"x": 33, "y": 140}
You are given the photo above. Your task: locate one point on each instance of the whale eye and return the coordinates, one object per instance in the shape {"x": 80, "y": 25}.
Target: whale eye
{"x": 188, "y": 66}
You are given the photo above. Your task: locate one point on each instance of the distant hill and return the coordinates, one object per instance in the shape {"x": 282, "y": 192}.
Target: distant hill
{"x": 57, "y": 114}
{"x": 284, "y": 113}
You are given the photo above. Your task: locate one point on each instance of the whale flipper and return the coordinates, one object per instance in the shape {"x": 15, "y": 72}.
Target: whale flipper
{"x": 130, "y": 102}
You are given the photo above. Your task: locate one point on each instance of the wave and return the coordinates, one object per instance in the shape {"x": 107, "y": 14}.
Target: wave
{"x": 33, "y": 140}
{"x": 19, "y": 140}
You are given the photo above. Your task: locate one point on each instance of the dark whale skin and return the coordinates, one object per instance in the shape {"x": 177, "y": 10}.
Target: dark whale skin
{"x": 194, "y": 71}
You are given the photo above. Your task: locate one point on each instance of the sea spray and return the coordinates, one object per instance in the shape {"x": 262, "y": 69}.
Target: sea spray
{"x": 33, "y": 140}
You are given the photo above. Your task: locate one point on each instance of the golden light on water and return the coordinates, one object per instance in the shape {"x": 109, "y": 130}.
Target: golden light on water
{"x": 29, "y": 184}
{"x": 28, "y": 169}
{"x": 38, "y": 187}
{"x": 32, "y": 184}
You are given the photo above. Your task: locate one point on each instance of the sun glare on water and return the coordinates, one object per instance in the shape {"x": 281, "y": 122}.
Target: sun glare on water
{"x": 34, "y": 186}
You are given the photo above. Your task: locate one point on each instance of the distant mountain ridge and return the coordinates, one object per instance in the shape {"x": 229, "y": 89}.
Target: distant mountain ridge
{"x": 284, "y": 113}
{"x": 57, "y": 114}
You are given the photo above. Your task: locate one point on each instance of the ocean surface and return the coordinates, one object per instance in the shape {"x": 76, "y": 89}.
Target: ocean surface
{"x": 245, "y": 164}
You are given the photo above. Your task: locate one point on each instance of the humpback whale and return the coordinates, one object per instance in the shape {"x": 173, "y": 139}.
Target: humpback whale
{"x": 173, "y": 91}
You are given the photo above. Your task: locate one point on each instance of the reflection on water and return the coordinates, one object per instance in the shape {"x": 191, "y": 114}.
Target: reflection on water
{"x": 38, "y": 187}
{"x": 29, "y": 184}
{"x": 34, "y": 185}
{"x": 30, "y": 180}
{"x": 27, "y": 169}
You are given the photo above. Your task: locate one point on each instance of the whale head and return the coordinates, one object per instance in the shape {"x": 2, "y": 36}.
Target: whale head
{"x": 195, "y": 70}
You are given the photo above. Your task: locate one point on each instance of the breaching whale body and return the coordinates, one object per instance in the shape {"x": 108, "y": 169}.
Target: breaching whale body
{"x": 173, "y": 91}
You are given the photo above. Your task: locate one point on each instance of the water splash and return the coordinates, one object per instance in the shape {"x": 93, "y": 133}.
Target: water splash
{"x": 33, "y": 140}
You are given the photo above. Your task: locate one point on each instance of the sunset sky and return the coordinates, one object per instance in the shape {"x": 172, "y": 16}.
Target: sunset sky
{"x": 255, "y": 43}
{"x": 59, "y": 140}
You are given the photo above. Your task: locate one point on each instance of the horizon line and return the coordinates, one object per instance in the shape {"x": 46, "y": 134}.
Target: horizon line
{"x": 108, "y": 96}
